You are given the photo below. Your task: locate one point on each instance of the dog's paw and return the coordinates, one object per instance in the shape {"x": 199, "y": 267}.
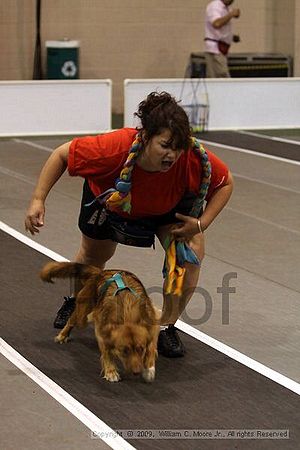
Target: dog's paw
{"x": 61, "y": 339}
{"x": 149, "y": 374}
{"x": 112, "y": 376}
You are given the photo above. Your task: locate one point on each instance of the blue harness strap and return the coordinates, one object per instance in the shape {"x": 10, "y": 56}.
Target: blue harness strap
{"x": 116, "y": 278}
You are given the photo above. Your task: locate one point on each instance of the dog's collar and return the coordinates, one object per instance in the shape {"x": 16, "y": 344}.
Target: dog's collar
{"x": 116, "y": 278}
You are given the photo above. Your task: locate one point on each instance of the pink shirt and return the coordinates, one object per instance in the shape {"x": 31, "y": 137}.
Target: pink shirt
{"x": 214, "y": 10}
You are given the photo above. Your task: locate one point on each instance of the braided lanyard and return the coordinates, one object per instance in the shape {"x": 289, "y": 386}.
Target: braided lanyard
{"x": 121, "y": 198}
{"x": 206, "y": 178}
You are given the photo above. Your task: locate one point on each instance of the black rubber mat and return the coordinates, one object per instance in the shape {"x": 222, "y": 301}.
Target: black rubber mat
{"x": 204, "y": 390}
{"x": 257, "y": 144}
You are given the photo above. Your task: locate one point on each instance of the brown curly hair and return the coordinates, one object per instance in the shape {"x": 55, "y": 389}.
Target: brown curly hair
{"x": 161, "y": 111}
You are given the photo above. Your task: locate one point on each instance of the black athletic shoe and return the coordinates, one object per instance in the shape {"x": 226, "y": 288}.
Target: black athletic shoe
{"x": 64, "y": 313}
{"x": 169, "y": 343}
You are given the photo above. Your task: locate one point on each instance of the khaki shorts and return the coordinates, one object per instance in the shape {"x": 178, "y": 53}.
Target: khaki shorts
{"x": 216, "y": 66}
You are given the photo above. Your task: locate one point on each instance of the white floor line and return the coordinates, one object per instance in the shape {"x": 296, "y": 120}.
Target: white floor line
{"x": 260, "y": 219}
{"x": 17, "y": 176}
{"x": 35, "y": 245}
{"x": 108, "y": 435}
{"x": 33, "y": 144}
{"x": 272, "y": 138}
{"x": 251, "y": 152}
{"x": 229, "y": 147}
{"x": 214, "y": 343}
{"x": 240, "y": 357}
{"x": 256, "y": 180}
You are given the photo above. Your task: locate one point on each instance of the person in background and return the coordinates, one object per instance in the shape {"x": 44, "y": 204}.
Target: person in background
{"x": 219, "y": 37}
{"x": 141, "y": 183}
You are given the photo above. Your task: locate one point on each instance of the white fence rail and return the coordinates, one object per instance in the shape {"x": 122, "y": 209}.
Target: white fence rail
{"x": 50, "y": 107}
{"x": 236, "y": 103}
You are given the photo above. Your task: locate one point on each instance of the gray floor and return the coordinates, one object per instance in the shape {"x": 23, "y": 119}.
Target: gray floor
{"x": 257, "y": 237}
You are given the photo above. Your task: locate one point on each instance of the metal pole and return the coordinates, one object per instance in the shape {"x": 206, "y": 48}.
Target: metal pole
{"x": 37, "y": 64}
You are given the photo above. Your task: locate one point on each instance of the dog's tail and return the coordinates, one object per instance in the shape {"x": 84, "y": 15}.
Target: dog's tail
{"x": 68, "y": 270}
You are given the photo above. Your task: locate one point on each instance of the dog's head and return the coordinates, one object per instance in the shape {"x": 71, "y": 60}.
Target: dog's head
{"x": 129, "y": 344}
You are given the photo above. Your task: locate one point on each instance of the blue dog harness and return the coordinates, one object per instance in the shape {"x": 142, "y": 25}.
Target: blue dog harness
{"x": 116, "y": 278}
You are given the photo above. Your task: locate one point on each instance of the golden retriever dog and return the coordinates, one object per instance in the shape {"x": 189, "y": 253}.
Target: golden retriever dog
{"x": 126, "y": 322}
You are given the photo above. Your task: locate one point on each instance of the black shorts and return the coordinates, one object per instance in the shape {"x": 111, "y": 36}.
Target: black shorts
{"x": 92, "y": 219}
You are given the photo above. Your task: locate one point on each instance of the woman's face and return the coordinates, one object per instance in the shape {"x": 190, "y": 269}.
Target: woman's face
{"x": 158, "y": 154}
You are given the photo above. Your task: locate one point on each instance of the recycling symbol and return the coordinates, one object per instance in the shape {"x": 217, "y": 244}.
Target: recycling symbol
{"x": 69, "y": 69}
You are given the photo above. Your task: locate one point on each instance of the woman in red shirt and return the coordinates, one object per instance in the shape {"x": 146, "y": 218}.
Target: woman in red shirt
{"x": 140, "y": 183}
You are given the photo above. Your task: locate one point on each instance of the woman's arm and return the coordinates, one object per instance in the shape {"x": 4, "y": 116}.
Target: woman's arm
{"x": 216, "y": 203}
{"x": 50, "y": 174}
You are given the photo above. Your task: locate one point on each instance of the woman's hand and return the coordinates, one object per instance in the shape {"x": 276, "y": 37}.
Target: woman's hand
{"x": 53, "y": 169}
{"x": 186, "y": 229}
{"x": 34, "y": 218}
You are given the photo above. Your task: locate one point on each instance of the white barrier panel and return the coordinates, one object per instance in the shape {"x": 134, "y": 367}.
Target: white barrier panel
{"x": 235, "y": 103}
{"x": 51, "y": 107}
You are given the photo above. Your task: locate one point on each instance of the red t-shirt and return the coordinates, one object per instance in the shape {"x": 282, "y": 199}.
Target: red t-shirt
{"x": 100, "y": 159}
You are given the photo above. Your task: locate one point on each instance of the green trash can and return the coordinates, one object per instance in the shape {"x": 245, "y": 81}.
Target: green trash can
{"x": 62, "y": 59}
